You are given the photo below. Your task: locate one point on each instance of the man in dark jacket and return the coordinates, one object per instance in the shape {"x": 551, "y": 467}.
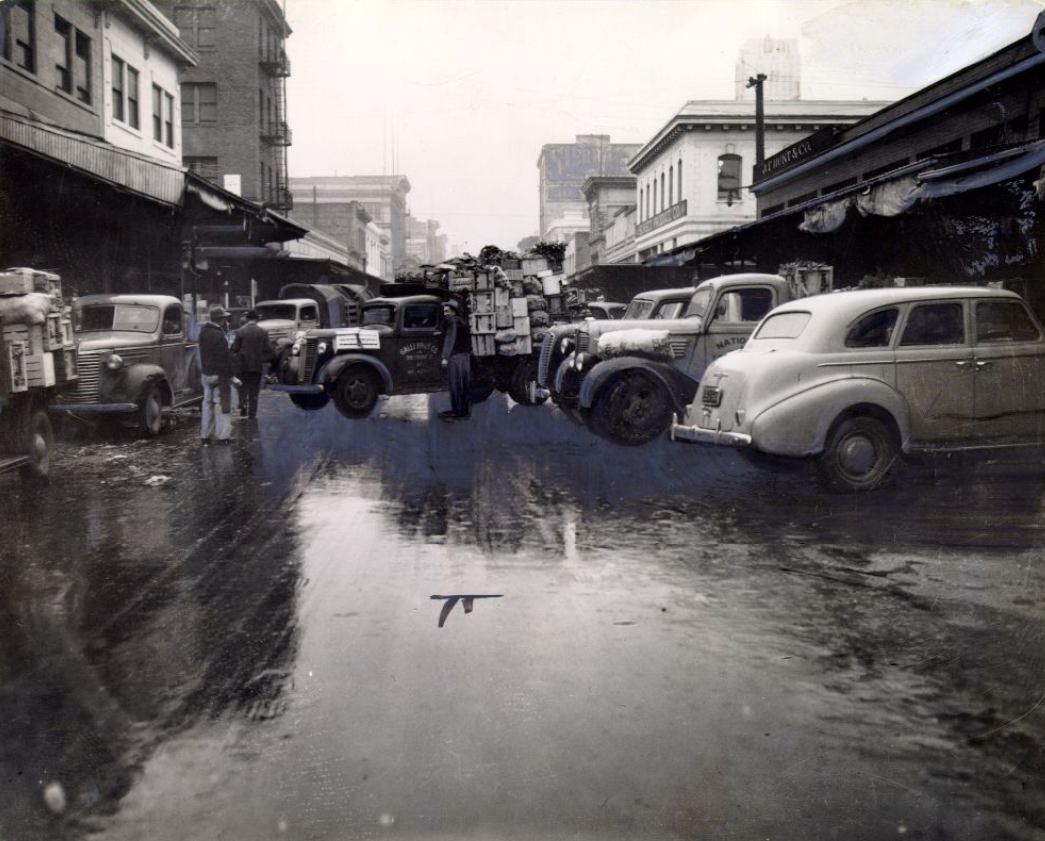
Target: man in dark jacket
{"x": 216, "y": 372}
{"x": 457, "y": 360}
{"x": 252, "y": 349}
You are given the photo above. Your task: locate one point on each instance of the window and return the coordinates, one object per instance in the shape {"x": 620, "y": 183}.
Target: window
{"x": 420, "y": 317}
{"x": 196, "y": 25}
{"x": 671, "y": 186}
{"x": 671, "y": 309}
{"x": 134, "y": 318}
{"x": 133, "y": 117}
{"x": 654, "y": 195}
{"x": 663, "y": 194}
{"x": 172, "y": 320}
{"x": 73, "y": 65}
{"x": 698, "y": 304}
{"x": 63, "y": 66}
{"x": 309, "y": 313}
{"x": 785, "y": 325}
{"x": 744, "y": 305}
{"x": 873, "y": 330}
{"x": 203, "y": 166}
{"x": 934, "y": 324}
{"x": 1004, "y": 321}
{"x": 729, "y": 166}
{"x": 157, "y": 113}
{"x": 168, "y": 120}
{"x": 82, "y": 67}
{"x": 18, "y": 33}
{"x": 680, "y": 179}
{"x": 118, "y": 102}
{"x": 199, "y": 103}
{"x": 261, "y": 107}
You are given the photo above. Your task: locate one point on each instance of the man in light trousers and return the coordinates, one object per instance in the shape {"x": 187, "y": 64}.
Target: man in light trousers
{"x": 216, "y": 371}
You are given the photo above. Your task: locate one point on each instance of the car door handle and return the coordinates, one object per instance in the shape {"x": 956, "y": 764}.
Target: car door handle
{"x": 983, "y": 364}
{"x": 964, "y": 363}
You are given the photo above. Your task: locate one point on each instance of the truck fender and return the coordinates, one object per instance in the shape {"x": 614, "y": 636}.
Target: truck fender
{"x": 329, "y": 372}
{"x": 132, "y": 381}
{"x": 679, "y": 387}
{"x": 784, "y": 428}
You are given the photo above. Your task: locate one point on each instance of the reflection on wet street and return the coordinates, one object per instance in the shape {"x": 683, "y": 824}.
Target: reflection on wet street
{"x": 510, "y": 629}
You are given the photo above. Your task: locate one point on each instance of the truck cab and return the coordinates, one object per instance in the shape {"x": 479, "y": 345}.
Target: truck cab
{"x": 627, "y": 377}
{"x": 284, "y": 319}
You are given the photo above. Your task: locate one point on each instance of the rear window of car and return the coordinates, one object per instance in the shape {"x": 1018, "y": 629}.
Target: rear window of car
{"x": 785, "y": 325}
{"x": 638, "y": 308}
{"x": 873, "y": 330}
{"x": 670, "y": 309}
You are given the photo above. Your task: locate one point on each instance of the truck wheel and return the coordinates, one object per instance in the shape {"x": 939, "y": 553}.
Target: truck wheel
{"x": 38, "y": 443}
{"x": 355, "y": 391}
{"x": 480, "y": 393}
{"x": 632, "y": 409}
{"x": 523, "y": 383}
{"x": 859, "y": 455}
{"x": 310, "y": 402}
{"x": 150, "y": 411}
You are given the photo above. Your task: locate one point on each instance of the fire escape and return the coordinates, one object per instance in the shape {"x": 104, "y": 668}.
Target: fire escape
{"x": 276, "y": 132}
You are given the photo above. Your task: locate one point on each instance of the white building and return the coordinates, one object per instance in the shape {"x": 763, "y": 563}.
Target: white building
{"x": 142, "y": 54}
{"x": 316, "y": 245}
{"x": 619, "y": 237}
{"x": 694, "y": 175}
{"x": 378, "y": 252}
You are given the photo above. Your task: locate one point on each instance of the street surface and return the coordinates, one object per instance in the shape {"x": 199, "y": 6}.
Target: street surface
{"x": 254, "y": 642}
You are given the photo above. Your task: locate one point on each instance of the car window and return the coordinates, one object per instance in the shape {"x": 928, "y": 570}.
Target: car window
{"x": 134, "y": 318}
{"x": 638, "y": 308}
{"x": 934, "y": 324}
{"x": 744, "y": 305}
{"x": 420, "y": 316}
{"x": 380, "y": 314}
{"x": 172, "y": 320}
{"x": 698, "y": 304}
{"x": 784, "y": 325}
{"x": 281, "y": 312}
{"x": 670, "y": 309}
{"x": 873, "y": 330}
{"x": 309, "y": 313}
{"x": 1004, "y": 321}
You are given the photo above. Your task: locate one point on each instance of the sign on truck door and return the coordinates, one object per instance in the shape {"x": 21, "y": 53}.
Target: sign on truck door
{"x": 420, "y": 347}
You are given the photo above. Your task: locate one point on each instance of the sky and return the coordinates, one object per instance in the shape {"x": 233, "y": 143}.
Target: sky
{"x": 460, "y": 95}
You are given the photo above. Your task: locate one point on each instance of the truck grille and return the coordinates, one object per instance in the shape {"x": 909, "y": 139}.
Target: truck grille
{"x": 583, "y": 341}
{"x": 278, "y": 335}
{"x": 308, "y": 366}
{"x": 545, "y": 359}
{"x": 89, "y": 383}
{"x": 711, "y": 396}
{"x": 679, "y": 347}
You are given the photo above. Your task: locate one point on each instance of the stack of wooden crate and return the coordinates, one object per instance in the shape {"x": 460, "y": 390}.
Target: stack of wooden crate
{"x": 36, "y": 334}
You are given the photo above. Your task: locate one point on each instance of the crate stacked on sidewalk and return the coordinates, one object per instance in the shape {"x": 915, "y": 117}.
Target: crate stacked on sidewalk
{"x": 36, "y": 332}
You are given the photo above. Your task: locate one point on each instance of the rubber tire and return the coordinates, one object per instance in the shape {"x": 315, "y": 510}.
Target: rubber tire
{"x": 632, "y": 409}
{"x": 523, "y": 374}
{"x": 356, "y": 390}
{"x": 38, "y": 443}
{"x": 151, "y": 420}
{"x": 480, "y": 393}
{"x": 874, "y": 440}
{"x": 310, "y": 402}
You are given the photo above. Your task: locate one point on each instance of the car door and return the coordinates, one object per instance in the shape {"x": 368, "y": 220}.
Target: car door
{"x": 730, "y": 321}
{"x": 1009, "y": 361}
{"x": 935, "y": 372}
{"x": 172, "y": 356}
{"x": 420, "y": 345}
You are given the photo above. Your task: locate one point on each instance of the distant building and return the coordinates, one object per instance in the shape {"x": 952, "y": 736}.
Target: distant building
{"x": 563, "y": 168}
{"x": 778, "y": 60}
{"x": 343, "y": 206}
{"x": 425, "y": 245}
{"x": 233, "y": 103}
{"x": 606, "y": 196}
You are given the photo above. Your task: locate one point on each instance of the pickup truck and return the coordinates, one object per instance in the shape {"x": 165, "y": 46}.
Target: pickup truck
{"x": 626, "y": 378}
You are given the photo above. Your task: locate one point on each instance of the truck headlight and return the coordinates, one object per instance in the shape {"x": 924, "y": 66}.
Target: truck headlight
{"x": 295, "y": 348}
{"x": 114, "y": 362}
{"x": 321, "y": 348}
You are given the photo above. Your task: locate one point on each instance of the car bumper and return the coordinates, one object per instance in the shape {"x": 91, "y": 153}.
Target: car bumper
{"x": 700, "y": 435}
{"x": 94, "y": 408}
{"x": 308, "y": 388}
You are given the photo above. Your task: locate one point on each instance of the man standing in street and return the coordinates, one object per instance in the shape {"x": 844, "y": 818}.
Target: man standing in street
{"x": 216, "y": 371}
{"x": 457, "y": 360}
{"x": 253, "y": 349}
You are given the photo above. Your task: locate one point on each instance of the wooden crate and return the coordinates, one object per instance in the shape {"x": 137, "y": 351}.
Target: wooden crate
{"x": 503, "y": 317}
{"x": 39, "y": 369}
{"x": 522, "y": 325}
{"x": 483, "y": 345}
{"x": 65, "y": 365}
{"x": 556, "y": 304}
{"x": 519, "y": 307}
{"x": 532, "y": 265}
{"x": 484, "y": 282}
{"x": 17, "y": 355}
{"x": 483, "y": 323}
{"x": 461, "y": 284}
{"x": 481, "y": 303}
{"x": 501, "y": 297}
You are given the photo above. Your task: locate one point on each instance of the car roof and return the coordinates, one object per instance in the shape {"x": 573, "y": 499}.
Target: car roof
{"x": 406, "y": 299}
{"x": 849, "y": 303}
{"x": 141, "y": 300}
{"x": 658, "y": 294}
{"x": 294, "y": 301}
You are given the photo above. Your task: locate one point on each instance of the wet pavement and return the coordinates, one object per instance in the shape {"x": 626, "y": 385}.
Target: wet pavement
{"x": 507, "y": 629}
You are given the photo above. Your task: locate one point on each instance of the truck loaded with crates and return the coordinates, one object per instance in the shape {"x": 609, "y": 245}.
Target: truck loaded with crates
{"x": 37, "y": 360}
{"x": 397, "y": 347}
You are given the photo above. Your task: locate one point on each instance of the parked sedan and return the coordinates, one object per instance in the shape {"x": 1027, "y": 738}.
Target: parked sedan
{"x": 854, "y": 379}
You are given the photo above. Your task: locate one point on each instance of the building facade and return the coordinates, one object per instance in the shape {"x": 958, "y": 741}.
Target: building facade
{"x": 775, "y": 58}
{"x": 563, "y": 168}
{"x": 343, "y": 206}
{"x": 606, "y": 196}
{"x": 233, "y": 103}
{"x": 693, "y": 177}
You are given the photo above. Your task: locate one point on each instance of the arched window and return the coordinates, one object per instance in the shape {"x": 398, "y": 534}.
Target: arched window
{"x": 729, "y": 177}
{"x": 671, "y": 186}
{"x": 663, "y": 192}
{"x": 680, "y": 179}
{"x": 654, "y": 195}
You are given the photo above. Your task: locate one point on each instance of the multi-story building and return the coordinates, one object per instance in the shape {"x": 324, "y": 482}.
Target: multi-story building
{"x": 618, "y": 244}
{"x": 334, "y": 204}
{"x": 606, "y": 196}
{"x": 378, "y": 253}
{"x": 233, "y": 103}
{"x": 563, "y": 169}
{"x": 775, "y": 58}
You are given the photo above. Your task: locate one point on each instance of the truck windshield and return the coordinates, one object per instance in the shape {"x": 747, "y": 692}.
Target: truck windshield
{"x": 698, "y": 305}
{"x": 638, "y": 308}
{"x": 134, "y": 318}
{"x": 379, "y": 315}
{"x": 281, "y": 312}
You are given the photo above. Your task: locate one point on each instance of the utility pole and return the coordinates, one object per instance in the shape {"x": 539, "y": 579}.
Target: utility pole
{"x": 760, "y": 118}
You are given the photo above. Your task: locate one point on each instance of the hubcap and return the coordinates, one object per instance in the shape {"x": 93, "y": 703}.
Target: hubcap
{"x": 857, "y": 455}
{"x": 357, "y": 391}
{"x": 39, "y": 448}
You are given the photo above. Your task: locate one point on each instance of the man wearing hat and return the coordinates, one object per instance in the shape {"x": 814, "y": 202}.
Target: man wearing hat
{"x": 216, "y": 371}
{"x": 252, "y": 349}
{"x": 457, "y": 360}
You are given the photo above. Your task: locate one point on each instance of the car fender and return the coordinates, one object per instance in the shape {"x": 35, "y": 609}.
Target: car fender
{"x": 799, "y": 424}
{"x": 680, "y": 387}
{"x": 329, "y": 372}
{"x": 129, "y": 384}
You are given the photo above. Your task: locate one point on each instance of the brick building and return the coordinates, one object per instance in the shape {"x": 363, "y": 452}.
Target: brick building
{"x": 233, "y": 103}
